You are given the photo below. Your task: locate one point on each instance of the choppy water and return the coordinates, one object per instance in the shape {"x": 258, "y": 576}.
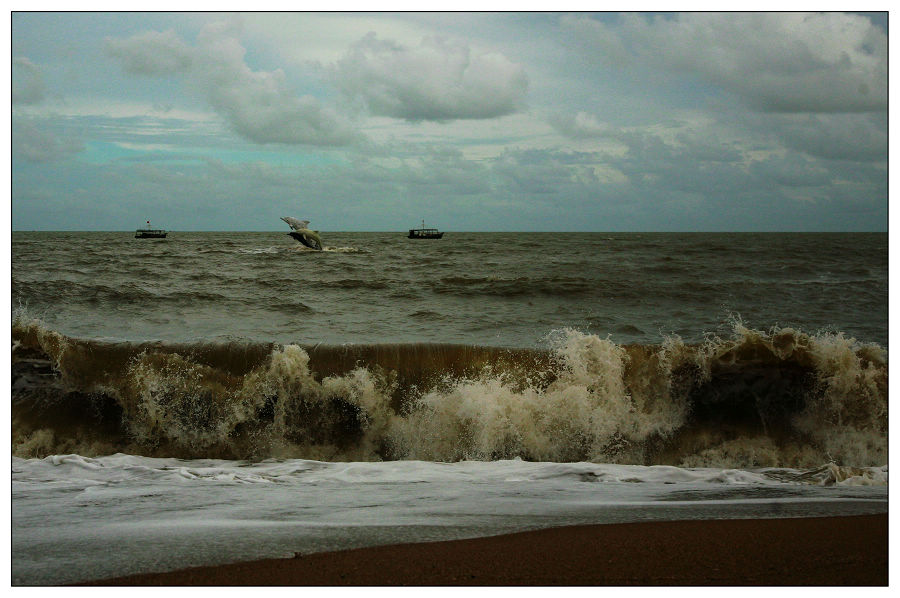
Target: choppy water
{"x": 508, "y": 289}
{"x": 749, "y": 361}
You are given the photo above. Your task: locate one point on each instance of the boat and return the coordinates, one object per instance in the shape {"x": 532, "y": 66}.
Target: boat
{"x": 150, "y": 233}
{"x": 424, "y": 233}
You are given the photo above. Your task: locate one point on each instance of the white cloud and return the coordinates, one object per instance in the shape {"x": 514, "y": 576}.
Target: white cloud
{"x": 147, "y": 147}
{"x": 323, "y": 37}
{"x": 777, "y": 62}
{"x": 486, "y": 139}
{"x": 437, "y": 80}
{"x": 27, "y": 82}
{"x": 258, "y": 105}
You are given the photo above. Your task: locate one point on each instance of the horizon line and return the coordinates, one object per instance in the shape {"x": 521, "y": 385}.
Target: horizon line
{"x": 728, "y": 231}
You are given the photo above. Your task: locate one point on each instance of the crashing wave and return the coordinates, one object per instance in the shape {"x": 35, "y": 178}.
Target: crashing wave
{"x": 781, "y": 398}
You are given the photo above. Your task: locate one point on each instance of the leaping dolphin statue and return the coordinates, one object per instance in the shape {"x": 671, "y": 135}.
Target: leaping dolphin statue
{"x": 310, "y": 238}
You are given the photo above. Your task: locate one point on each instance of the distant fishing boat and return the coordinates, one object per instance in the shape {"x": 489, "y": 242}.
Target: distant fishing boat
{"x": 424, "y": 233}
{"x": 150, "y": 233}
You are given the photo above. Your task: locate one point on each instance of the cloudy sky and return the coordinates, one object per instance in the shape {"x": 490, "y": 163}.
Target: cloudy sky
{"x": 473, "y": 122}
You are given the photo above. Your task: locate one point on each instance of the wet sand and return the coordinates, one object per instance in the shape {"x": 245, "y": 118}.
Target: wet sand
{"x": 822, "y": 551}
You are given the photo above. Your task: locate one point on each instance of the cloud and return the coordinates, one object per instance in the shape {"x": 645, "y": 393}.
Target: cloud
{"x": 793, "y": 170}
{"x": 258, "y": 105}
{"x": 152, "y": 53}
{"x": 692, "y": 122}
{"x": 580, "y": 126}
{"x": 27, "y": 82}
{"x": 775, "y": 62}
{"x": 858, "y": 137}
{"x": 38, "y": 144}
{"x": 438, "y": 80}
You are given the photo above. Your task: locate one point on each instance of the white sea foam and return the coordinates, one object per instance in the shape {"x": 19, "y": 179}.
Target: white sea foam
{"x": 76, "y": 518}
{"x": 122, "y": 467}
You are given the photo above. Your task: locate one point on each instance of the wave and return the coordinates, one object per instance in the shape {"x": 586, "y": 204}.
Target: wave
{"x": 123, "y": 294}
{"x": 781, "y": 398}
{"x": 121, "y": 467}
{"x": 513, "y": 287}
{"x": 230, "y": 248}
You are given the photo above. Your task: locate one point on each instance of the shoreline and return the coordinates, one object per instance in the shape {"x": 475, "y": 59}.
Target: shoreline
{"x": 815, "y": 551}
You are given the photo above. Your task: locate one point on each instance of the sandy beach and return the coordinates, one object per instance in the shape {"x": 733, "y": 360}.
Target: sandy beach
{"x": 822, "y": 551}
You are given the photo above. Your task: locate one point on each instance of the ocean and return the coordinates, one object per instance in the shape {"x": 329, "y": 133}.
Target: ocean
{"x": 216, "y": 397}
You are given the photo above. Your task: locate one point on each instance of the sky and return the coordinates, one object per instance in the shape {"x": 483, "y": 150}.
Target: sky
{"x": 511, "y": 121}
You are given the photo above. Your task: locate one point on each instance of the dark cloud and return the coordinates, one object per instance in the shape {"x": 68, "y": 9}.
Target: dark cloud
{"x": 689, "y": 122}
{"x": 27, "y": 82}
{"x": 37, "y": 143}
{"x": 152, "y": 53}
{"x": 792, "y": 171}
{"x": 775, "y": 62}
{"x": 857, "y": 137}
{"x": 437, "y": 80}
{"x": 579, "y": 126}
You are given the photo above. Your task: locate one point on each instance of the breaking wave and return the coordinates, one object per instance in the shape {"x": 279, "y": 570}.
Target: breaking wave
{"x": 777, "y": 398}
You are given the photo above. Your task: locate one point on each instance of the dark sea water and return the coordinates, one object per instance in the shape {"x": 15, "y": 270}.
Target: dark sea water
{"x": 221, "y": 396}
{"x": 497, "y": 289}
{"x": 250, "y": 345}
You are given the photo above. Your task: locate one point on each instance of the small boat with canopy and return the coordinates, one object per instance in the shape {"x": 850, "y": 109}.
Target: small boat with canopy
{"x": 424, "y": 233}
{"x": 150, "y": 233}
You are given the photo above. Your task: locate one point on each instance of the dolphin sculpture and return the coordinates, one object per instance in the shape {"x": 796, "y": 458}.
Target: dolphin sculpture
{"x": 310, "y": 238}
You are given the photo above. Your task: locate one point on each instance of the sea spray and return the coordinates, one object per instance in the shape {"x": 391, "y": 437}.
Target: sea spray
{"x": 756, "y": 399}
{"x": 585, "y": 413}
